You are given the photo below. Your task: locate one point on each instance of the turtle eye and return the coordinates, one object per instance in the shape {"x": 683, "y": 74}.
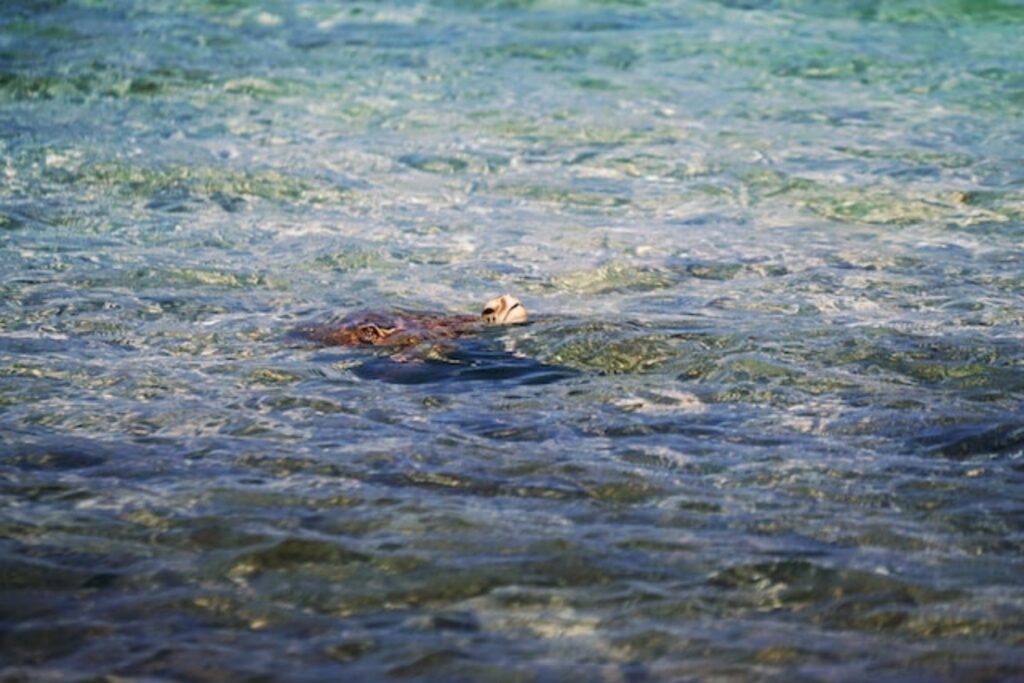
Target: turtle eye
{"x": 488, "y": 311}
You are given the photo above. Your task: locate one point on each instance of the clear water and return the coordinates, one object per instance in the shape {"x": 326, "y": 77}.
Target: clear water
{"x": 768, "y": 423}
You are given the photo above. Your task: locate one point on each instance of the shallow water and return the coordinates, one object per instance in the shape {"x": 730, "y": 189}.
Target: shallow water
{"x": 768, "y": 422}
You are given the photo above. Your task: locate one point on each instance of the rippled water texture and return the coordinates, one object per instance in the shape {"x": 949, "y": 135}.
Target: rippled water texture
{"x": 767, "y": 422}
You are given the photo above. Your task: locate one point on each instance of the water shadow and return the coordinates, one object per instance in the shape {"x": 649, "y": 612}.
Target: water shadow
{"x": 470, "y": 362}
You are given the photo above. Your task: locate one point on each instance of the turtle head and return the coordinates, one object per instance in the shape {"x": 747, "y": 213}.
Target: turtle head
{"x": 504, "y": 310}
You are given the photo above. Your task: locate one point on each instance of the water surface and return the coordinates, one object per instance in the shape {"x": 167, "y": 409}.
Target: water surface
{"x": 767, "y": 423}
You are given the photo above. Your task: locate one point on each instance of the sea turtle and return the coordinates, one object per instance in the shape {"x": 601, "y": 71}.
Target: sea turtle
{"x": 405, "y": 329}
{"x": 419, "y": 347}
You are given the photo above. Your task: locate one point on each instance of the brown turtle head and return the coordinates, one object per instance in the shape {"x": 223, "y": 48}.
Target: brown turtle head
{"x": 504, "y": 310}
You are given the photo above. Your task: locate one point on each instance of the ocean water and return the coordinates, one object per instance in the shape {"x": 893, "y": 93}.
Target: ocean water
{"x": 767, "y": 422}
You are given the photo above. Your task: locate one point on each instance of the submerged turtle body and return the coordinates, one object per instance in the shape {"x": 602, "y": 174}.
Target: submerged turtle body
{"x": 404, "y": 329}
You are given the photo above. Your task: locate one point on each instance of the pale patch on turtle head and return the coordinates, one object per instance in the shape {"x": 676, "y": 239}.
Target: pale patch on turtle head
{"x": 504, "y": 310}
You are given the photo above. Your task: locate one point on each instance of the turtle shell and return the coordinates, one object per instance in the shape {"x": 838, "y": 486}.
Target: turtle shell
{"x": 394, "y": 329}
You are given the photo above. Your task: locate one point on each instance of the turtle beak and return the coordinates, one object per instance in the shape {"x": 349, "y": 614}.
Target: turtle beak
{"x": 504, "y": 310}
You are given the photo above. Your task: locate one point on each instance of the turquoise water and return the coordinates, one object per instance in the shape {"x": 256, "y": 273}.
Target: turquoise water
{"x": 768, "y": 422}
